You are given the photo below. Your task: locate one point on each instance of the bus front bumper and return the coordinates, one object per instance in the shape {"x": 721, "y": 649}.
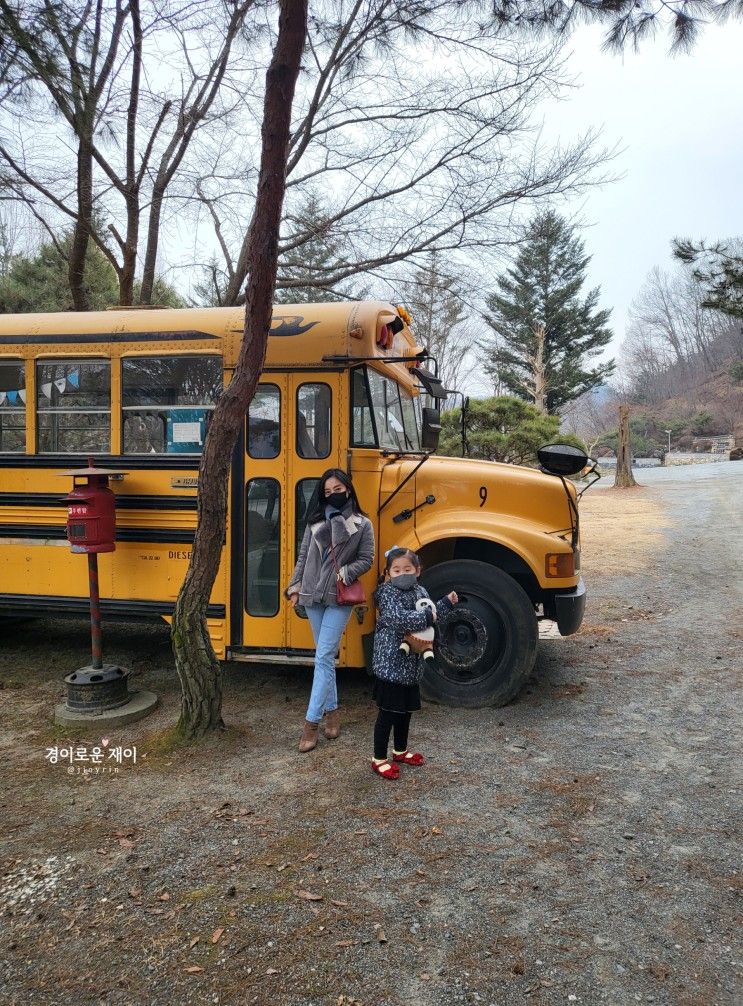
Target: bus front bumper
{"x": 569, "y": 609}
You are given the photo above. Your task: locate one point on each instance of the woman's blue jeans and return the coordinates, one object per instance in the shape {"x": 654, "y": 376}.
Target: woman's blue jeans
{"x": 328, "y": 624}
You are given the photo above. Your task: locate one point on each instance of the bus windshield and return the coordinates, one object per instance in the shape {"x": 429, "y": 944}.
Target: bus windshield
{"x": 395, "y": 414}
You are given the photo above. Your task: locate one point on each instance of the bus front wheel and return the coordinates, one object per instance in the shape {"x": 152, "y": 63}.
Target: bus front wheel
{"x": 487, "y": 644}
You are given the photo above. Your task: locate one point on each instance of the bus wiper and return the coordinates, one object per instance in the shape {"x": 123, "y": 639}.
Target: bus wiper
{"x": 407, "y": 478}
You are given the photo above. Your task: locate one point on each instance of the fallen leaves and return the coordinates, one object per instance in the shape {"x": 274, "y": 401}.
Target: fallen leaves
{"x": 217, "y": 935}
{"x": 227, "y": 810}
{"x": 193, "y": 969}
{"x": 309, "y": 896}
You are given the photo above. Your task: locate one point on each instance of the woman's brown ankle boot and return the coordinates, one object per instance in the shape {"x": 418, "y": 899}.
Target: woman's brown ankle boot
{"x": 332, "y": 724}
{"x": 308, "y": 740}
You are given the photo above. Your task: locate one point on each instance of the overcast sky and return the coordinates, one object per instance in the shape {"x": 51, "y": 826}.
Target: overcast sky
{"x": 679, "y": 121}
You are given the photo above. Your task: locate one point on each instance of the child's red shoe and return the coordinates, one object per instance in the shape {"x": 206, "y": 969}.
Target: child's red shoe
{"x": 386, "y": 769}
{"x": 409, "y": 758}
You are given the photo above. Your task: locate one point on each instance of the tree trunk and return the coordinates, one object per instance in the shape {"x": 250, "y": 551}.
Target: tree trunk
{"x": 196, "y": 662}
{"x": 624, "y": 477}
{"x": 81, "y": 233}
{"x": 540, "y": 368}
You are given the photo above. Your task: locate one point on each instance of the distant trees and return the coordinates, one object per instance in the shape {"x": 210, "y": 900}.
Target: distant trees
{"x": 127, "y": 87}
{"x": 501, "y": 429}
{"x": 676, "y": 336}
{"x": 441, "y": 318}
{"x": 718, "y": 269}
{"x": 545, "y": 330}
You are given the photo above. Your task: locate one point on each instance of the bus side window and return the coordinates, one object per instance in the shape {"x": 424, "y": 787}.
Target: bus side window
{"x": 73, "y": 406}
{"x": 363, "y": 434}
{"x": 12, "y": 407}
{"x": 313, "y": 420}
{"x": 167, "y": 401}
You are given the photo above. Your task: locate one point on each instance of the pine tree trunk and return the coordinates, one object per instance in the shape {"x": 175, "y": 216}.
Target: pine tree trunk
{"x": 196, "y": 662}
{"x": 81, "y": 232}
{"x": 624, "y": 477}
{"x": 540, "y": 368}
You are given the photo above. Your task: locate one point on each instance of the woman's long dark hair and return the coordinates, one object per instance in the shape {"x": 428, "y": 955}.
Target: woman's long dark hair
{"x": 316, "y": 508}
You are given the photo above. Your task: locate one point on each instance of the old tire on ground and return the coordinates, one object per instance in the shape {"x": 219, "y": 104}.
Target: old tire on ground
{"x": 487, "y": 644}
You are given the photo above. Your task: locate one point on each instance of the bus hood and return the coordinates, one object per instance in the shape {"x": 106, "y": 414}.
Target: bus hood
{"x": 515, "y": 492}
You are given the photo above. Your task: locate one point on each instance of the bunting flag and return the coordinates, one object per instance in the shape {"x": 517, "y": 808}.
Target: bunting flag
{"x": 72, "y": 380}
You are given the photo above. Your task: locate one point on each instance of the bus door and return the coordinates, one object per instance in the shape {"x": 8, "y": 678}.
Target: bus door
{"x": 292, "y": 436}
{"x": 320, "y": 441}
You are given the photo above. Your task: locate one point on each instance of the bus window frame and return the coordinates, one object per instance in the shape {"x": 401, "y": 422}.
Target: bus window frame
{"x": 407, "y": 446}
{"x": 261, "y": 550}
{"x": 126, "y": 410}
{"x": 40, "y": 361}
{"x": 364, "y": 372}
{"x": 262, "y": 386}
{"x": 313, "y": 384}
{"x": 14, "y": 410}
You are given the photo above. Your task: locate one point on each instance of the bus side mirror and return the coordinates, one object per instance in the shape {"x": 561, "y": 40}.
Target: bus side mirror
{"x": 562, "y": 459}
{"x": 431, "y": 429}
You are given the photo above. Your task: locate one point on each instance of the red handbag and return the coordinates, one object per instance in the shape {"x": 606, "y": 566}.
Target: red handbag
{"x": 347, "y": 594}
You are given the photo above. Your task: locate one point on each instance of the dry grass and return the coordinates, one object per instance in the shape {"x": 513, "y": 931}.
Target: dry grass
{"x": 621, "y": 531}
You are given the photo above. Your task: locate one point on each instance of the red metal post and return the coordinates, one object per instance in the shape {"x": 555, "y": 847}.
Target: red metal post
{"x": 95, "y": 612}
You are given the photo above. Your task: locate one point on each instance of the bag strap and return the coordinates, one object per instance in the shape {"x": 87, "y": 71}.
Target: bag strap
{"x": 335, "y": 562}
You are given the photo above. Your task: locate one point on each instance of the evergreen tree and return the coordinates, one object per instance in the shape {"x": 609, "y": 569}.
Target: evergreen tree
{"x": 545, "y": 331}
{"x": 42, "y": 283}
{"x": 719, "y": 268}
{"x": 502, "y": 429}
{"x": 311, "y": 261}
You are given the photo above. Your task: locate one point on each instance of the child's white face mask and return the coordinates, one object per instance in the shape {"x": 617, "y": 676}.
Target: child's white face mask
{"x": 404, "y": 581}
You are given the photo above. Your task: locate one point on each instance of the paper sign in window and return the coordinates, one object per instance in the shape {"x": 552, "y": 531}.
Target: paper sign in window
{"x": 186, "y": 433}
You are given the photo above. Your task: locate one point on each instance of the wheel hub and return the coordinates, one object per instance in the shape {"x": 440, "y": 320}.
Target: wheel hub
{"x": 463, "y": 639}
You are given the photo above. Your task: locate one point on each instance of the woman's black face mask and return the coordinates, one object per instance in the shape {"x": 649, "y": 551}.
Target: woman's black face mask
{"x": 337, "y": 500}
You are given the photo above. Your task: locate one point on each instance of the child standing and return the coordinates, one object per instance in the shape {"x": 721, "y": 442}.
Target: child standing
{"x": 396, "y": 673}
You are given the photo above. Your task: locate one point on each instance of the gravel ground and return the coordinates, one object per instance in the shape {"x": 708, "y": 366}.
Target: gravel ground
{"x": 576, "y": 846}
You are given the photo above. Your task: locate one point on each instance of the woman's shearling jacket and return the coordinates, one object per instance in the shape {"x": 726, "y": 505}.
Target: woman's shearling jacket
{"x": 352, "y": 537}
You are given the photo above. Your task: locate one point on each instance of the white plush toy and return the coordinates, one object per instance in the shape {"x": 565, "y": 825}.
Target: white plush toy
{"x": 422, "y": 640}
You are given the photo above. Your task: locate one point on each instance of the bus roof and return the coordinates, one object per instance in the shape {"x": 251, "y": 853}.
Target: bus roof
{"x": 302, "y": 335}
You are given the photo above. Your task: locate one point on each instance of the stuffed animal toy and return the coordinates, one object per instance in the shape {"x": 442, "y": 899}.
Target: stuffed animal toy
{"x": 422, "y": 640}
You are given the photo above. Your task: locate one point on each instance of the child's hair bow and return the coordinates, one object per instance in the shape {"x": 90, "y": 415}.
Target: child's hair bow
{"x": 386, "y": 554}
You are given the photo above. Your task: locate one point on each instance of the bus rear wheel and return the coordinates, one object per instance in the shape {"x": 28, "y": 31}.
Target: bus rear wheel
{"x": 487, "y": 644}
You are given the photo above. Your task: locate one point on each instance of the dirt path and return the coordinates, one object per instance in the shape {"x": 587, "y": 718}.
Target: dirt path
{"x": 577, "y": 846}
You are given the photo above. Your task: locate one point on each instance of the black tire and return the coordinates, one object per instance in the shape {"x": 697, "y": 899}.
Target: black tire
{"x": 487, "y": 644}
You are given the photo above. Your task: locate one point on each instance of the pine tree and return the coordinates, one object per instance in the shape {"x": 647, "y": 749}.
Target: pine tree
{"x": 313, "y": 261}
{"x": 539, "y": 300}
{"x": 41, "y": 283}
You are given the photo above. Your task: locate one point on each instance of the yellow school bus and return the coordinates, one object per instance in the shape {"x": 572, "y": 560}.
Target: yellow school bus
{"x": 345, "y": 385}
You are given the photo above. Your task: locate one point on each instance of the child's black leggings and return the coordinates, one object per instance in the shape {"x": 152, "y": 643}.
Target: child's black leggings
{"x": 386, "y": 722}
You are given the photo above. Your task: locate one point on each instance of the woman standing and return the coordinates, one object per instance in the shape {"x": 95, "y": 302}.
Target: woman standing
{"x": 339, "y": 536}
